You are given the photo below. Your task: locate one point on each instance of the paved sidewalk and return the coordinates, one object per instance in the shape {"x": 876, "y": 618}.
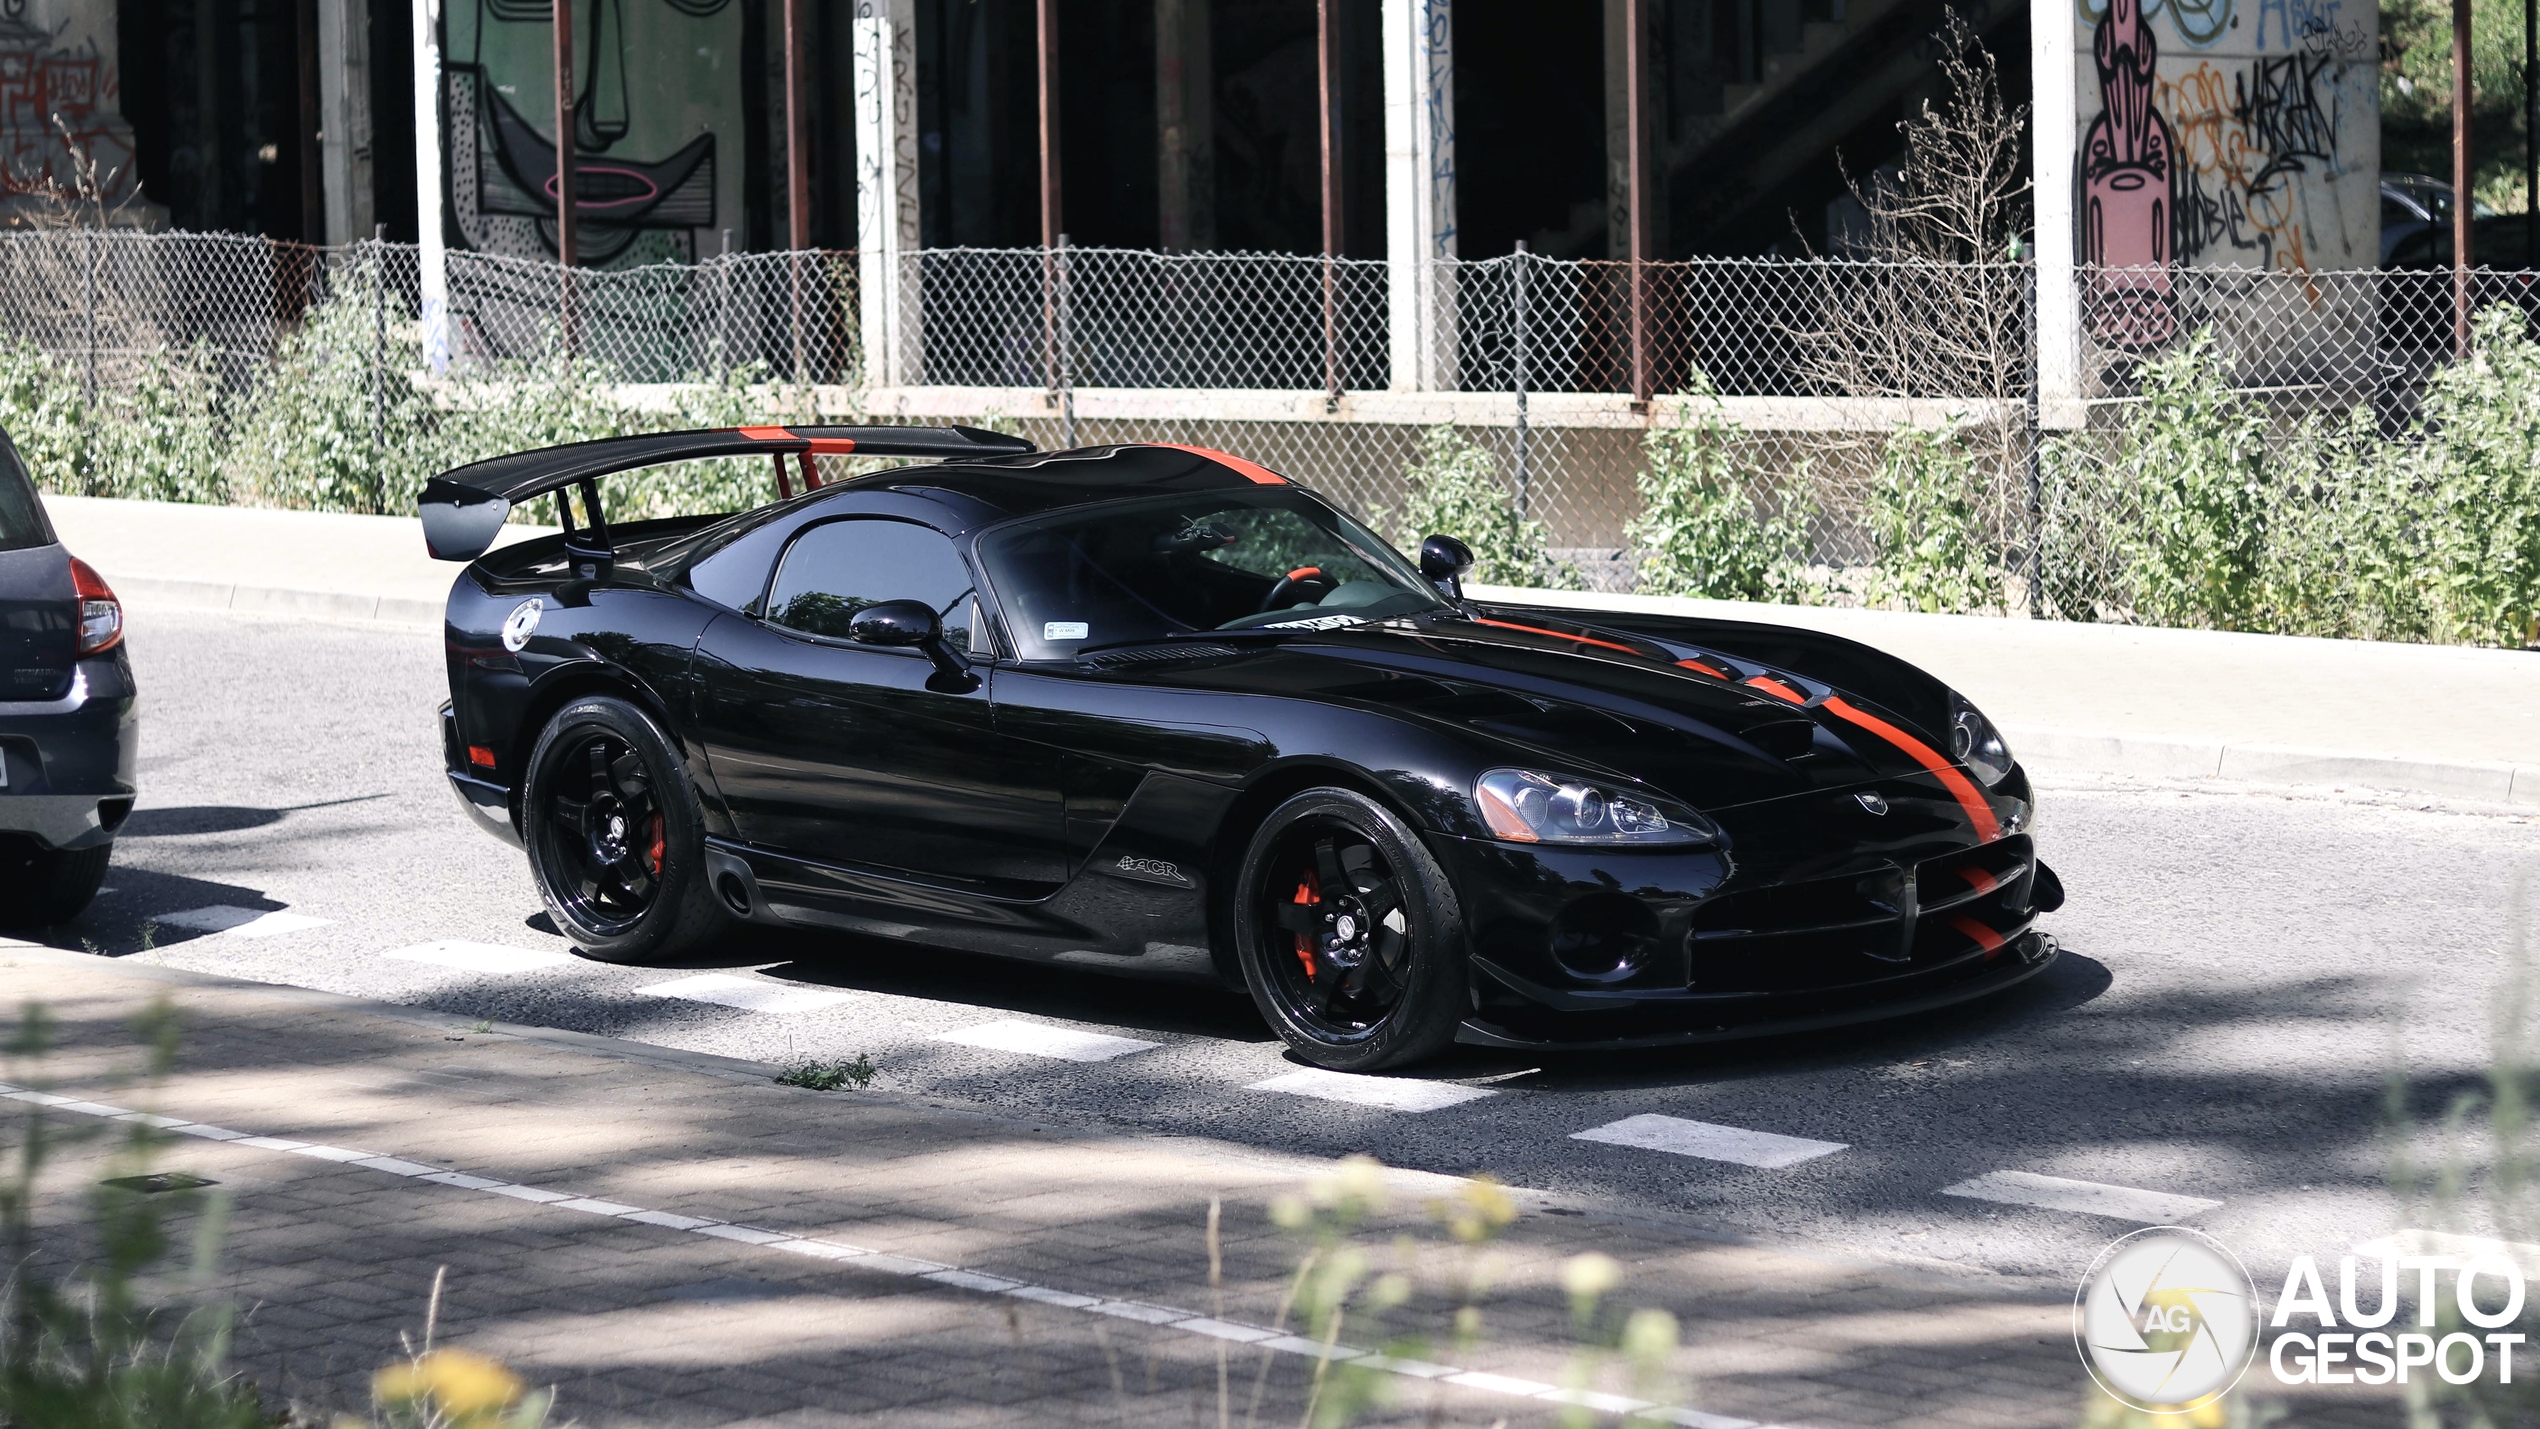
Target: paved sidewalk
{"x": 2074, "y": 699}
{"x": 674, "y": 1240}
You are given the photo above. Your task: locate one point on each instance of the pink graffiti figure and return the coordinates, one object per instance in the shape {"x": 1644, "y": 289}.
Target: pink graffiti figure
{"x": 2126, "y": 160}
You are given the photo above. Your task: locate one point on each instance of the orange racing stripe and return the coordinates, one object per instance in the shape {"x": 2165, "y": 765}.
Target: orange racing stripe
{"x": 1959, "y": 785}
{"x": 766, "y": 434}
{"x": 1555, "y": 634}
{"x": 1251, "y": 471}
{"x": 1714, "y": 673}
{"x": 1985, "y": 937}
{"x": 1777, "y": 689}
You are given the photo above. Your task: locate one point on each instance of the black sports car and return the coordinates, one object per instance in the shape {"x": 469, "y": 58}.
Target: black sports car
{"x": 1155, "y": 709}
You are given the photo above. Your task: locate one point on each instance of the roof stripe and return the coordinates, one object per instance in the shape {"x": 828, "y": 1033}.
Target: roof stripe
{"x": 1251, "y": 471}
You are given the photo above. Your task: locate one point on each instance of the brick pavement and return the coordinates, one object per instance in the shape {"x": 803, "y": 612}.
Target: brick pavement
{"x": 663, "y": 1322}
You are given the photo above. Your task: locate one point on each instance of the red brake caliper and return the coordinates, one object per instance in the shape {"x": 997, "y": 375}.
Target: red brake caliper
{"x": 652, "y": 855}
{"x": 1308, "y": 893}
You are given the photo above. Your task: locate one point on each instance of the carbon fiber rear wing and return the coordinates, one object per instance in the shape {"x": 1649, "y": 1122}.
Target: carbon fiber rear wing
{"x": 464, "y": 508}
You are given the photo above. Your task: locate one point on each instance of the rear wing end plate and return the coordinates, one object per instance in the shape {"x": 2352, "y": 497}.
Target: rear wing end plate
{"x": 465, "y": 507}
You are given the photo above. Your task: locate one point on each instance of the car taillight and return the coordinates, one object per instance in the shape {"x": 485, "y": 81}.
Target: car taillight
{"x": 100, "y": 614}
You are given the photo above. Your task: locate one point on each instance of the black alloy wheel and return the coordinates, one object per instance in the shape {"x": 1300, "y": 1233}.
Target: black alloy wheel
{"x": 1350, "y": 936}
{"x": 615, "y": 837}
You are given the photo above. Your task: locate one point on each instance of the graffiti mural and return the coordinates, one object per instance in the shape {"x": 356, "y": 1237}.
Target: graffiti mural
{"x": 658, "y": 107}
{"x": 57, "y": 95}
{"x": 2222, "y": 134}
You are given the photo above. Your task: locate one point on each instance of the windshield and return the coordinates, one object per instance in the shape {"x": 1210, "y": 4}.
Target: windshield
{"x": 1147, "y": 570}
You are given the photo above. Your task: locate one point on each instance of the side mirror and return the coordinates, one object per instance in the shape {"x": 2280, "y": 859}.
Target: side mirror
{"x": 905, "y": 623}
{"x": 1444, "y": 560}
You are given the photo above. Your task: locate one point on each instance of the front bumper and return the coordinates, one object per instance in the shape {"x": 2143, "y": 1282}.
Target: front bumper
{"x": 70, "y": 761}
{"x": 1814, "y": 912}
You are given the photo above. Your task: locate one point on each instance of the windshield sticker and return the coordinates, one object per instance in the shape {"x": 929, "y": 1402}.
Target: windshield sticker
{"x": 1065, "y": 630}
{"x": 1320, "y": 622}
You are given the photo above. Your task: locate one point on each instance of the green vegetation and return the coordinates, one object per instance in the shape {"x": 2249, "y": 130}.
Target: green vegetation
{"x": 2416, "y": 95}
{"x": 1712, "y": 521}
{"x": 1930, "y": 549}
{"x": 829, "y": 1076}
{"x": 1453, "y": 487}
{"x": 337, "y": 422}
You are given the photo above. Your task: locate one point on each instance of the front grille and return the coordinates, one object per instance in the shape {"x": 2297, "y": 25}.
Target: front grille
{"x": 1861, "y": 927}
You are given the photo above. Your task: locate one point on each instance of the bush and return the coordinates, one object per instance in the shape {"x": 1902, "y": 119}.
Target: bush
{"x": 1699, "y": 531}
{"x": 1924, "y": 527}
{"x": 1453, "y": 488}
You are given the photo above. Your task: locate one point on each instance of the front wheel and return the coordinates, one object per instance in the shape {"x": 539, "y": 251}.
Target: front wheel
{"x": 1350, "y": 937}
{"x": 616, "y": 842}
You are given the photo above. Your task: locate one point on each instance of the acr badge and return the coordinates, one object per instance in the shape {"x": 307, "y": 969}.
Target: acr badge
{"x": 1154, "y": 870}
{"x": 521, "y": 624}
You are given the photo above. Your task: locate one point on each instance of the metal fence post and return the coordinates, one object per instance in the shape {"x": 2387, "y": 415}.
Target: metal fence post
{"x": 2036, "y": 474}
{"x": 1518, "y": 319}
{"x": 1065, "y": 374}
{"x": 96, "y": 257}
{"x": 379, "y": 343}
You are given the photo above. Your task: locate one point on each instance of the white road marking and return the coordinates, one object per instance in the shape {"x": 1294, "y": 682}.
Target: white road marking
{"x": 1391, "y": 1093}
{"x": 2055, "y": 1193}
{"x": 1709, "y": 1141}
{"x": 245, "y": 922}
{"x": 1039, "y": 1039}
{"x": 479, "y": 957}
{"x": 2461, "y": 1248}
{"x": 1180, "y": 1320}
{"x": 748, "y": 994}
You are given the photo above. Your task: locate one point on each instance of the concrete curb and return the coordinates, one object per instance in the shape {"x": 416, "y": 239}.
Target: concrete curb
{"x": 2055, "y": 750}
{"x": 276, "y": 600}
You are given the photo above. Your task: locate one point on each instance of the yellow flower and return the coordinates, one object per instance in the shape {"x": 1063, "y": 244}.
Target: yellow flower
{"x": 459, "y": 1384}
{"x": 1590, "y": 1276}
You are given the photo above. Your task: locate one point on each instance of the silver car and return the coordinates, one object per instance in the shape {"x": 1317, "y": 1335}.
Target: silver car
{"x": 69, "y": 715}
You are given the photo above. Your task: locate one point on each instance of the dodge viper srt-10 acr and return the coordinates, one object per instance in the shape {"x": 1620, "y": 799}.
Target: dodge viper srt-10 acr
{"x": 1159, "y": 710}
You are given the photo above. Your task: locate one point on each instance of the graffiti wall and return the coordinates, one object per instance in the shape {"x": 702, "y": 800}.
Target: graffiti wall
{"x": 58, "y": 99}
{"x": 2221, "y": 134}
{"x": 658, "y": 122}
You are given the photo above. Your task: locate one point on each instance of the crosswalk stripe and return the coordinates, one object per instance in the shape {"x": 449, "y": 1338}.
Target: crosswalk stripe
{"x": 479, "y": 957}
{"x": 1391, "y": 1093}
{"x": 2056, "y": 1193}
{"x": 1709, "y": 1141}
{"x": 245, "y": 922}
{"x": 1039, "y": 1039}
{"x": 748, "y": 994}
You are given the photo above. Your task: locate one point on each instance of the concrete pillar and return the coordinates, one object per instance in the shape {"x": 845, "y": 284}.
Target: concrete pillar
{"x": 1185, "y": 127}
{"x": 887, "y": 233}
{"x": 2055, "y": 135}
{"x": 344, "y": 133}
{"x": 1420, "y": 192}
{"x": 432, "y": 254}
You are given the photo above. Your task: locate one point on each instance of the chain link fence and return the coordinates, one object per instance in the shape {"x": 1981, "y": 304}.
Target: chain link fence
{"x": 1827, "y": 430}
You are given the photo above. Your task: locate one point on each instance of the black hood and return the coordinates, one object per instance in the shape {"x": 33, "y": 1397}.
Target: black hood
{"x": 1713, "y": 729}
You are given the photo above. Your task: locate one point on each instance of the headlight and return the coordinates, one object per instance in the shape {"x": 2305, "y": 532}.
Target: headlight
{"x": 1524, "y": 806}
{"x": 1974, "y": 742}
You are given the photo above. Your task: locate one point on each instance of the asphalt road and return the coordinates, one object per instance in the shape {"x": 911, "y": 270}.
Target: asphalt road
{"x": 2245, "y": 974}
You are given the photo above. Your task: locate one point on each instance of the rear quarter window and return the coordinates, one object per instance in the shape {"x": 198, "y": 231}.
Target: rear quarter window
{"x": 22, "y": 522}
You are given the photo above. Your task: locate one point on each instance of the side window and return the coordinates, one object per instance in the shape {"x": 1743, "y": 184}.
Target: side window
{"x": 837, "y": 568}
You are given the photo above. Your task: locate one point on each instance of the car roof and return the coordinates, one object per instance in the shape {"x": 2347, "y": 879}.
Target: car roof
{"x": 1028, "y": 484}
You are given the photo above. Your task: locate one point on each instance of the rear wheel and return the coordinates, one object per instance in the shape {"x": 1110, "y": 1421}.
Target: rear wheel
{"x": 41, "y": 885}
{"x": 1350, "y": 936}
{"x": 615, "y": 839}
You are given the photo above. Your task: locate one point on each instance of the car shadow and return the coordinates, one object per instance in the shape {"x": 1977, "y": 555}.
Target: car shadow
{"x": 123, "y": 920}
{"x": 185, "y": 819}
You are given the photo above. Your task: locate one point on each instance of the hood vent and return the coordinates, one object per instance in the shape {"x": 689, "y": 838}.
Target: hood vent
{"x": 1156, "y": 655}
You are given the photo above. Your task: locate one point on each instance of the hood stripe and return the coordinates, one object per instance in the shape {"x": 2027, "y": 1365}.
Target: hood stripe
{"x": 1959, "y": 785}
{"x": 1558, "y": 635}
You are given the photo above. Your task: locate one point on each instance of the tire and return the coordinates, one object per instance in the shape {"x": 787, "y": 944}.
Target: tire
{"x": 616, "y": 841}
{"x": 1339, "y": 978}
{"x": 40, "y": 885}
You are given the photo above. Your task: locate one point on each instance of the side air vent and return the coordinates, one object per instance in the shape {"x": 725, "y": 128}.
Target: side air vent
{"x": 1156, "y": 655}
